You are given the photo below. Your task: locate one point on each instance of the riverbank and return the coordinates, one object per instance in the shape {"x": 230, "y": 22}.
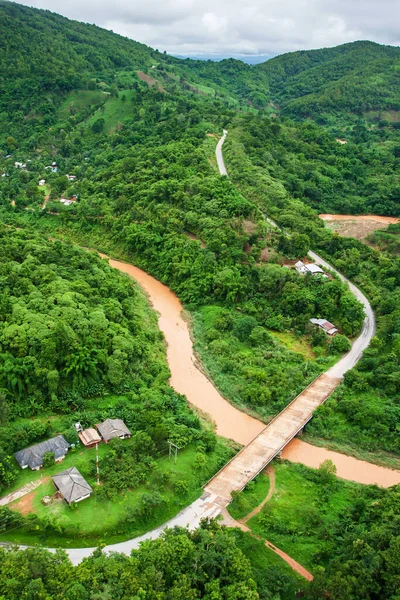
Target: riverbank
{"x": 186, "y": 378}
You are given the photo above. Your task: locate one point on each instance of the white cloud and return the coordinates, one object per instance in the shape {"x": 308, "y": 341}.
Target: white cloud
{"x": 229, "y": 27}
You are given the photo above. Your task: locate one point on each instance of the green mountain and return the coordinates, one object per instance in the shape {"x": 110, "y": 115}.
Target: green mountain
{"x": 44, "y": 57}
{"x": 358, "y": 77}
{"x": 125, "y": 138}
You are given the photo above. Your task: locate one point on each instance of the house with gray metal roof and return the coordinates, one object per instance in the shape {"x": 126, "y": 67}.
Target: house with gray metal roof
{"x": 113, "y": 428}
{"x": 71, "y": 485}
{"x": 33, "y": 456}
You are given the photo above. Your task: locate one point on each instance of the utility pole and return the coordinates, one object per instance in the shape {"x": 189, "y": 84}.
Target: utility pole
{"x": 173, "y": 450}
{"x": 97, "y": 464}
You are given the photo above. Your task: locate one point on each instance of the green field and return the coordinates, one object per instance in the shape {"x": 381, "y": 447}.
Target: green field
{"x": 251, "y": 497}
{"x": 303, "y": 509}
{"x": 94, "y": 521}
{"x": 114, "y": 112}
{"x": 80, "y": 100}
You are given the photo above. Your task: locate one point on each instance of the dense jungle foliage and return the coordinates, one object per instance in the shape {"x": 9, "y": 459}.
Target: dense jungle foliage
{"x": 364, "y": 412}
{"x": 134, "y": 131}
{"x": 69, "y": 324}
{"x": 354, "y": 78}
{"x": 178, "y": 566}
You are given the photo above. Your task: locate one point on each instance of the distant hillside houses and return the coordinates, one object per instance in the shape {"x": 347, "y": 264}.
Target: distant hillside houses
{"x": 311, "y": 268}
{"x": 32, "y": 457}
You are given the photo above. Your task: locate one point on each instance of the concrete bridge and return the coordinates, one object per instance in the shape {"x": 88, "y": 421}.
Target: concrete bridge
{"x": 268, "y": 444}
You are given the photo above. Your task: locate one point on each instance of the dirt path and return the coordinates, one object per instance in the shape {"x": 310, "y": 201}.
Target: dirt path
{"x": 271, "y": 474}
{"x": 229, "y": 521}
{"x": 24, "y": 504}
{"x": 29, "y": 487}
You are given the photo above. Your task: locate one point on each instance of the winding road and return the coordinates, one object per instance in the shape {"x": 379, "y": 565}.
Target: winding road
{"x": 218, "y": 154}
{"x": 188, "y": 379}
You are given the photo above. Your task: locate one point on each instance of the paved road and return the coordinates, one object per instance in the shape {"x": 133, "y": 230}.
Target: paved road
{"x": 368, "y": 330}
{"x": 210, "y": 504}
{"x": 218, "y": 153}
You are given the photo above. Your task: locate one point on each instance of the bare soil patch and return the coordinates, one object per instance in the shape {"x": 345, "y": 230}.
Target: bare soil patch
{"x": 264, "y": 255}
{"x": 150, "y": 81}
{"x": 25, "y": 504}
{"x": 357, "y": 226}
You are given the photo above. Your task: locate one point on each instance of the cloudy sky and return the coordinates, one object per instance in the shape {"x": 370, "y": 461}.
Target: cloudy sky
{"x": 236, "y": 27}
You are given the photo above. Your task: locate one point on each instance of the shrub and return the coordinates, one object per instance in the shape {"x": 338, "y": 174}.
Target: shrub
{"x": 339, "y": 344}
{"x": 48, "y": 459}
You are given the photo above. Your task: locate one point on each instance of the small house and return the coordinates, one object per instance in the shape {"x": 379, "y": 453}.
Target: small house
{"x": 339, "y": 141}
{"x": 71, "y": 485}
{"x": 89, "y": 437}
{"x": 113, "y": 428}
{"x": 311, "y": 268}
{"x": 32, "y": 457}
{"x": 71, "y": 177}
{"x": 328, "y": 327}
{"x": 42, "y": 182}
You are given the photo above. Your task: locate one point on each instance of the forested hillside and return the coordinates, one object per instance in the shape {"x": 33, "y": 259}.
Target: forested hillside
{"x": 69, "y": 324}
{"x": 44, "y": 56}
{"x": 363, "y": 413}
{"x": 110, "y": 145}
{"x": 354, "y": 78}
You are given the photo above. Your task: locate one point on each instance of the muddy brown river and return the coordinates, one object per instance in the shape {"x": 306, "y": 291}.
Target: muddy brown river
{"x": 187, "y": 379}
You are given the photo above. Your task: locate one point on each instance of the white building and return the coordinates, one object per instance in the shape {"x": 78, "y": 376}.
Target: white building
{"x": 311, "y": 268}
{"x": 42, "y": 182}
{"x": 328, "y": 327}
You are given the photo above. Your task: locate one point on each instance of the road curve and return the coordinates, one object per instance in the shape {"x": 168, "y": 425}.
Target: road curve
{"x": 210, "y": 505}
{"x": 350, "y": 359}
{"x": 368, "y": 329}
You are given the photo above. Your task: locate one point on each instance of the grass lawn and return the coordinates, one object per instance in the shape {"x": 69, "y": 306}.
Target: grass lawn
{"x": 295, "y": 343}
{"x": 251, "y": 497}
{"x": 95, "y": 521}
{"x": 77, "y": 457}
{"x": 302, "y": 508}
